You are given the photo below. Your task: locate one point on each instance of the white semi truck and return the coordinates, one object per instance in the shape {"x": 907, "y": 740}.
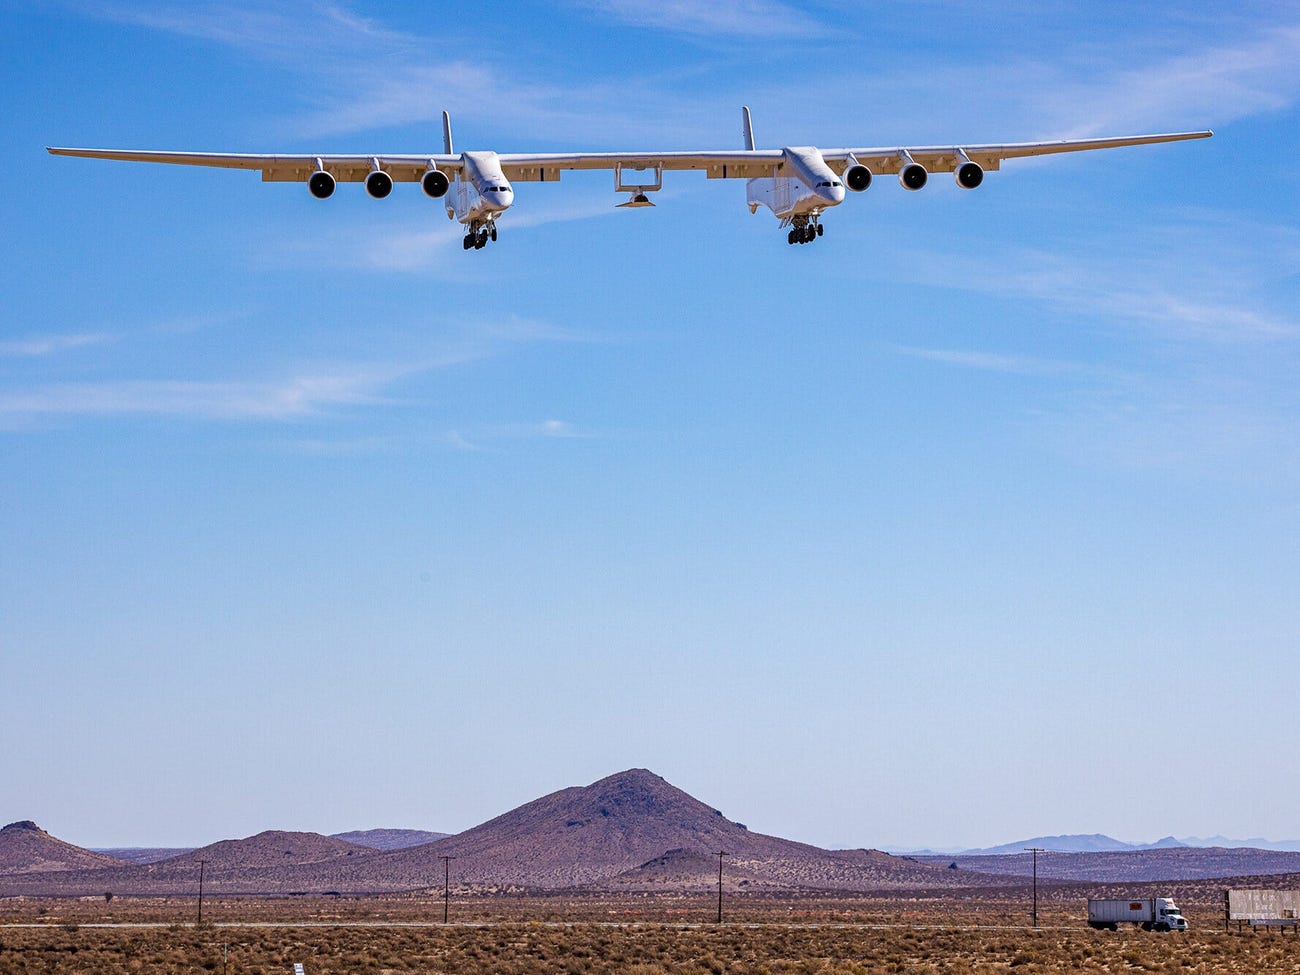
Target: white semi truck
{"x": 1152, "y": 913}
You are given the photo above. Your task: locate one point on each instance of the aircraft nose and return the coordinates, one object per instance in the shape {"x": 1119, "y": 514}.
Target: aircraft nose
{"x": 833, "y": 194}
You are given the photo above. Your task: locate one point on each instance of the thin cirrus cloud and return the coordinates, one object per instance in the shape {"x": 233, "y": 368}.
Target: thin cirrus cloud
{"x": 727, "y": 18}
{"x": 301, "y": 394}
{"x": 275, "y": 399}
{"x": 36, "y": 346}
{"x": 1198, "y": 276}
{"x": 1020, "y": 365}
{"x": 1241, "y": 77}
{"x": 277, "y": 31}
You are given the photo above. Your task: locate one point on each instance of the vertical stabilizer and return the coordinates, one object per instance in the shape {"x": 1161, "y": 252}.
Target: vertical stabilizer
{"x": 747, "y": 127}
{"x": 446, "y": 134}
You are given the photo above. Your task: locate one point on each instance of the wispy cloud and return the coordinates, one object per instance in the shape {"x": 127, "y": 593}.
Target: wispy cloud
{"x": 990, "y": 361}
{"x": 293, "y": 394}
{"x": 723, "y": 18}
{"x": 273, "y": 399}
{"x": 44, "y": 345}
{"x": 1212, "y": 86}
{"x": 275, "y": 30}
{"x": 1195, "y": 276}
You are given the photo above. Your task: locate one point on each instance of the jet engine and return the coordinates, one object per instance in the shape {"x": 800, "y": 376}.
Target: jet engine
{"x": 321, "y": 185}
{"x": 434, "y": 183}
{"x": 857, "y": 177}
{"x": 969, "y": 175}
{"x": 912, "y": 176}
{"x": 379, "y": 184}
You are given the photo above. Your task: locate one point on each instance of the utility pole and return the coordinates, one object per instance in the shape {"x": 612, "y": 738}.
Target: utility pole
{"x": 721, "y": 854}
{"x": 200, "y": 920}
{"x": 1035, "y": 850}
{"x": 446, "y": 889}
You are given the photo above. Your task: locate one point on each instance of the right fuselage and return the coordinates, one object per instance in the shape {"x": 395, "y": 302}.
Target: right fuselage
{"x": 807, "y": 187}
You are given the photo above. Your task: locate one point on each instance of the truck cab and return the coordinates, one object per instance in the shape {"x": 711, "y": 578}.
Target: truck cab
{"x": 1168, "y": 916}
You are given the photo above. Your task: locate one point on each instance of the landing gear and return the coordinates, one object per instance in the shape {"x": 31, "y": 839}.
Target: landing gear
{"x": 478, "y": 235}
{"x": 804, "y": 231}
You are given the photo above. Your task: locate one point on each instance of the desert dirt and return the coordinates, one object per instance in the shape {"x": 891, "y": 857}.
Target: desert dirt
{"x": 604, "y": 936}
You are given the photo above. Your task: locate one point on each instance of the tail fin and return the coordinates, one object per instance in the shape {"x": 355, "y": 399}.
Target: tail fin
{"x": 747, "y": 127}
{"x": 446, "y": 134}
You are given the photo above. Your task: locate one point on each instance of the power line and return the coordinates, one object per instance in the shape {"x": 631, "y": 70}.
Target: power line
{"x": 1035, "y": 850}
{"x": 446, "y": 889}
{"x": 721, "y": 854}
{"x": 199, "y": 923}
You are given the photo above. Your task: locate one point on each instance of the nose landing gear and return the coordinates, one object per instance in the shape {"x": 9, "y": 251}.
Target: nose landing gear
{"x": 805, "y": 230}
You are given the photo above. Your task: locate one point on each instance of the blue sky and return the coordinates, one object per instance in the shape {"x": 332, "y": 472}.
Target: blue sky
{"x": 977, "y": 519}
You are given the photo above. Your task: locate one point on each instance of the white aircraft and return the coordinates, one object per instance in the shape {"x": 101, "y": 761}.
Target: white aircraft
{"x": 797, "y": 183}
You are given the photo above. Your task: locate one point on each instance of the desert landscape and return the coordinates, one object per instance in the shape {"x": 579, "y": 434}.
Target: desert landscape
{"x": 617, "y": 876}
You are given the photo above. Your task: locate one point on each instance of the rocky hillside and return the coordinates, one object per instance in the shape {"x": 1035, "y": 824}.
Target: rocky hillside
{"x": 26, "y": 848}
{"x": 273, "y": 848}
{"x": 617, "y": 833}
{"x": 632, "y": 832}
{"x": 390, "y": 839}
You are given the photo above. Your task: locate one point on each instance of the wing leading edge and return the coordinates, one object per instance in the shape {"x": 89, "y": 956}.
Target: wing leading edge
{"x": 722, "y": 164}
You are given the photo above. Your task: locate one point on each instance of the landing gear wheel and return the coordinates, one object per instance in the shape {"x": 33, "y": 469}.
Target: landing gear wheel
{"x": 492, "y": 232}
{"x": 820, "y": 230}
{"x": 468, "y": 242}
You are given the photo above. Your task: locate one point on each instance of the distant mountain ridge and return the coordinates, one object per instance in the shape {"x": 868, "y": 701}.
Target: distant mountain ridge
{"x": 1101, "y": 843}
{"x": 390, "y": 839}
{"x": 632, "y": 831}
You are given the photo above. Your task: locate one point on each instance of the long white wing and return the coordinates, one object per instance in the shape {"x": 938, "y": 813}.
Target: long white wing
{"x": 945, "y": 159}
{"x": 278, "y": 168}
{"x": 746, "y": 164}
{"x": 723, "y": 164}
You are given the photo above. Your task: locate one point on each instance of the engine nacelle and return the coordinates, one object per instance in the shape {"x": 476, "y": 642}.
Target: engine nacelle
{"x": 321, "y": 184}
{"x": 435, "y": 183}
{"x": 969, "y": 175}
{"x": 857, "y": 177}
{"x": 912, "y": 176}
{"x": 379, "y": 184}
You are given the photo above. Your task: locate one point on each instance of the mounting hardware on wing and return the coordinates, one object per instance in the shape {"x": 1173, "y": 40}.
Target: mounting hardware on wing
{"x": 857, "y": 177}
{"x": 320, "y": 183}
{"x": 638, "y": 191}
{"x": 912, "y": 175}
{"x": 378, "y": 184}
{"x": 967, "y": 174}
{"x": 434, "y": 182}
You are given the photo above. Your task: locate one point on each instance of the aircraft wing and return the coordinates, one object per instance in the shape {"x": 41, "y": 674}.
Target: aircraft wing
{"x": 747, "y": 164}
{"x": 945, "y": 159}
{"x": 525, "y": 167}
{"x": 725, "y": 164}
{"x": 285, "y": 168}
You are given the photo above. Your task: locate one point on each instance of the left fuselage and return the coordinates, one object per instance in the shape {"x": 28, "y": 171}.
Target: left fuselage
{"x": 480, "y": 192}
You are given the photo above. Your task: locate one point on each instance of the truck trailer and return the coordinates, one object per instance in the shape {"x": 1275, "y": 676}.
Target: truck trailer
{"x": 1152, "y": 913}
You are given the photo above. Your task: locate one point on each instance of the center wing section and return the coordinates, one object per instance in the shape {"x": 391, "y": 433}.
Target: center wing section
{"x": 724, "y": 164}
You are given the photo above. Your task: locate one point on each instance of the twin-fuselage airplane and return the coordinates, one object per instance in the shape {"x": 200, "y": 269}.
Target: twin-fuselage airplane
{"x": 797, "y": 183}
